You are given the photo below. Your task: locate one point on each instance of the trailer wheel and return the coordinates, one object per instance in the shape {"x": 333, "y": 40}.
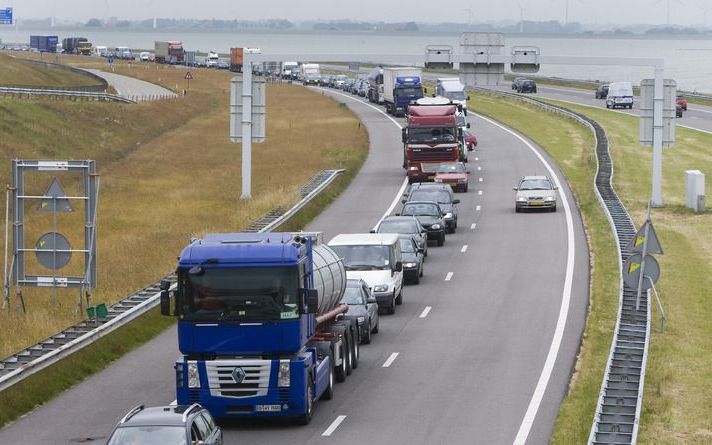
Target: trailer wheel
{"x": 329, "y": 392}
{"x": 349, "y": 351}
{"x": 341, "y": 370}
{"x": 356, "y": 336}
{"x": 305, "y": 418}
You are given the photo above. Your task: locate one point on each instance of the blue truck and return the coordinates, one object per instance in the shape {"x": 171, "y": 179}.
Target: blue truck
{"x": 401, "y": 87}
{"x": 44, "y": 44}
{"x": 261, "y": 328}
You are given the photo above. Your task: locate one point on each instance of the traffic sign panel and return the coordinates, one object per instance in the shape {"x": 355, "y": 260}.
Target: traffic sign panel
{"x": 188, "y": 76}
{"x": 632, "y": 269}
{"x": 48, "y": 253}
{"x": 637, "y": 243}
{"x": 55, "y": 200}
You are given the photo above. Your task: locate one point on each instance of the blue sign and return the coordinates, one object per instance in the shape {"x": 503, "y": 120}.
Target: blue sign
{"x": 6, "y": 16}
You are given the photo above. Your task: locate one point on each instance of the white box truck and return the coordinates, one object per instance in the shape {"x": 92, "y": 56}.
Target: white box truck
{"x": 451, "y": 88}
{"x": 401, "y": 86}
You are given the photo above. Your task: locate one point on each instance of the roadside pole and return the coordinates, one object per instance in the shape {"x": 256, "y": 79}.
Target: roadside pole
{"x": 645, "y": 250}
{"x": 246, "y": 126}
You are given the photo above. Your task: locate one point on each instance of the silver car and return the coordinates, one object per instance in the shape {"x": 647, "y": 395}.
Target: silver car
{"x": 535, "y": 192}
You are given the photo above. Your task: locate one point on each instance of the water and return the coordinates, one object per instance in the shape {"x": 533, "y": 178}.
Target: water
{"x": 687, "y": 60}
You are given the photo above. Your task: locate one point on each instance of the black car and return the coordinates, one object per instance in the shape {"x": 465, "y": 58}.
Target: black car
{"x": 430, "y": 216}
{"x": 362, "y": 306}
{"x": 526, "y": 86}
{"x": 678, "y": 110}
{"x": 440, "y": 193}
{"x": 516, "y": 81}
{"x": 180, "y": 424}
{"x": 602, "y": 91}
{"x": 412, "y": 259}
{"x": 408, "y": 225}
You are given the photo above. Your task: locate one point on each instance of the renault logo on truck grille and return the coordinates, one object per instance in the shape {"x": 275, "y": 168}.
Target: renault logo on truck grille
{"x": 238, "y": 375}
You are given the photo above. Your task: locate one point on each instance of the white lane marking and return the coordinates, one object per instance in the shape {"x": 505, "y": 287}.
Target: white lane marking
{"x": 478, "y": 208}
{"x": 449, "y": 275}
{"x": 548, "y": 368}
{"x": 390, "y": 360}
{"x": 174, "y": 403}
{"x": 693, "y": 128}
{"x": 481, "y": 179}
{"x": 399, "y": 195}
{"x": 425, "y": 312}
{"x": 473, "y": 226}
{"x": 464, "y": 248}
{"x": 479, "y": 192}
{"x": 335, "y": 424}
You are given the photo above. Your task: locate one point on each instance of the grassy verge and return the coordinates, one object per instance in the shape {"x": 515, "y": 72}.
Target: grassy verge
{"x": 16, "y": 72}
{"x": 677, "y": 393}
{"x": 571, "y": 145}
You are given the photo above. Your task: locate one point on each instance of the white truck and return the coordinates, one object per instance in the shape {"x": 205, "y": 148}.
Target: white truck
{"x": 212, "y": 59}
{"x": 453, "y": 89}
{"x": 620, "y": 94}
{"x": 310, "y": 73}
{"x": 401, "y": 86}
{"x": 290, "y": 70}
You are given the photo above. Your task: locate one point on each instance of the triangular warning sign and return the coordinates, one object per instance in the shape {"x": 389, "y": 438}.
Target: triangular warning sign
{"x": 54, "y": 199}
{"x": 188, "y": 76}
{"x": 638, "y": 242}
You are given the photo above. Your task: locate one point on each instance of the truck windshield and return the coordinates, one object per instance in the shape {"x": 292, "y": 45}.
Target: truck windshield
{"x": 364, "y": 257}
{"x": 430, "y": 135}
{"x": 239, "y": 294}
{"x": 410, "y": 91}
{"x": 455, "y": 95}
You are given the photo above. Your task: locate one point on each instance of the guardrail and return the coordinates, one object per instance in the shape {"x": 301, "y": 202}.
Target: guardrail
{"x": 21, "y": 365}
{"x": 85, "y": 95}
{"x": 620, "y": 399}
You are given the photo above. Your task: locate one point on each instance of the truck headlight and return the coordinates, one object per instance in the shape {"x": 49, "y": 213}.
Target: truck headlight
{"x": 284, "y": 377}
{"x": 380, "y": 288}
{"x": 435, "y": 227}
{"x": 413, "y": 168}
{"x": 193, "y": 376}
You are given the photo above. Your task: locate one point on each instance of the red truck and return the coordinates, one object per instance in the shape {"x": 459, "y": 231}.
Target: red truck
{"x": 170, "y": 52}
{"x": 429, "y": 138}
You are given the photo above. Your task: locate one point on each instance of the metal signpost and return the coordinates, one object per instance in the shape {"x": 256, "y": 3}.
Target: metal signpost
{"x": 53, "y": 250}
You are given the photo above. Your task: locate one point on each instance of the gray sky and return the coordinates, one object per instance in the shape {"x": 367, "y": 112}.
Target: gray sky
{"x": 585, "y": 11}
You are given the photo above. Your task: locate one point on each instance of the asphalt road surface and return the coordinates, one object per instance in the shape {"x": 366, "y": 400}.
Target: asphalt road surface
{"x": 134, "y": 89}
{"x": 480, "y": 352}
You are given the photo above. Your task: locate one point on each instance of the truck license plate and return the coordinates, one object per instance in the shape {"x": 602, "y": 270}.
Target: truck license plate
{"x": 268, "y": 408}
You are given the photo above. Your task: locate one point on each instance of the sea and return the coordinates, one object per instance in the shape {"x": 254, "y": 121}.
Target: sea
{"x": 687, "y": 60}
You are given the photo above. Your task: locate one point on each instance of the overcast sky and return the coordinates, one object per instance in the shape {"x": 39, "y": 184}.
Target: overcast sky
{"x": 683, "y": 12}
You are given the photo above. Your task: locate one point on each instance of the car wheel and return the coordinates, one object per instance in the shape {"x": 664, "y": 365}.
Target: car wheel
{"x": 399, "y": 297}
{"x": 416, "y": 280}
{"x": 441, "y": 240}
{"x": 553, "y": 209}
{"x": 517, "y": 209}
{"x": 367, "y": 338}
{"x": 377, "y": 327}
{"x": 422, "y": 269}
{"x": 305, "y": 418}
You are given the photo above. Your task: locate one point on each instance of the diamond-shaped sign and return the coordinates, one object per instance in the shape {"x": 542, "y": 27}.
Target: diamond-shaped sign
{"x": 55, "y": 199}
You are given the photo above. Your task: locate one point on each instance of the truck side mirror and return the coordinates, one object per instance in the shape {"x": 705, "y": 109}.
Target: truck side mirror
{"x": 165, "y": 303}
{"x": 312, "y": 296}
{"x": 404, "y": 135}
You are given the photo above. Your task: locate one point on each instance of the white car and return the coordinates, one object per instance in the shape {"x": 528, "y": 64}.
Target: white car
{"x": 145, "y": 56}
{"x": 535, "y": 192}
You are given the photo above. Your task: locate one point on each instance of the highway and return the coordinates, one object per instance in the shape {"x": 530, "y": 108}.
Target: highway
{"x": 480, "y": 352}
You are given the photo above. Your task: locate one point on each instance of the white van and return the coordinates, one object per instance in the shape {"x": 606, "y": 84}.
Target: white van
{"x": 375, "y": 258}
{"x": 620, "y": 94}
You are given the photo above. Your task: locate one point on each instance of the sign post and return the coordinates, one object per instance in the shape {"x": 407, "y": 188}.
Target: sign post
{"x": 642, "y": 265}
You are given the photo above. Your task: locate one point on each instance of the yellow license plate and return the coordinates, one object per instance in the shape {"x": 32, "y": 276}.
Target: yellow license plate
{"x": 431, "y": 178}
{"x": 536, "y": 203}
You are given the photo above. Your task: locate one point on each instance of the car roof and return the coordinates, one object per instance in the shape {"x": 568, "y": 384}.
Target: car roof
{"x": 426, "y": 185}
{"x": 421, "y": 202}
{"x": 364, "y": 239}
{"x": 158, "y": 415}
{"x": 399, "y": 218}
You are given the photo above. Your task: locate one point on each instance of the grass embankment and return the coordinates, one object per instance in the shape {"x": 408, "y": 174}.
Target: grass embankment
{"x": 16, "y": 72}
{"x": 572, "y": 146}
{"x": 168, "y": 172}
{"x": 678, "y": 394}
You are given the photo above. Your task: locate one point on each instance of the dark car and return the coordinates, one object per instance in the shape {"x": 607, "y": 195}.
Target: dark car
{"x": 470, "y": 140}
{"x": 362, "y": 306}
{"x": 602, "y": 91}
{"x": 440, "y": 193}
{"x": 526, "y": 86}
{"x": 430, "y": 216}
{"x": 516, "y": 81}
{"x": 408, "y": 225}
{"x": 180, "y": 424}
{"x": 413, "y": 260}
{"x": 678, "y": 110}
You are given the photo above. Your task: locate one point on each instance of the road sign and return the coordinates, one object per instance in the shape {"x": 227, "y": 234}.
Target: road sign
{"x": 188, "y": 76}
{"x": 632, "y": 269}
{"x": 257, "y": 115}
{"x": 638, "y": 242}
{"x": 56, "y": 200}
{"x": 51, "y": 253}
{"x": 6, "y": 16}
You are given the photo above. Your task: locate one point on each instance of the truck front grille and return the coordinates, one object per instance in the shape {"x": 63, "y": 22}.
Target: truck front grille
{"x": 222, "y": 382}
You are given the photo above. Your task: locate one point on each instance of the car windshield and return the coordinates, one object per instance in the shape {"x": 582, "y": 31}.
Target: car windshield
{"x": 239, "y": 294}
{"x": 165, "y": 435}
{"x": 428, "y": 134}
{"x": 451, "y": 168}
{"x": 535, "y": 184}
{"x": 406, "y": 245}
{"x": 398, "y": 227}
{"x": 436, "y": 195}
{"x": 367, "y": 257}
{"x": 353, "y": 295}
{"x": 420, "y": 210}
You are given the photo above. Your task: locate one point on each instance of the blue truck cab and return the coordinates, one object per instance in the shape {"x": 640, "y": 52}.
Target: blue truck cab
{"x": 407, "y": 90}
{"x": 257, "y": 323}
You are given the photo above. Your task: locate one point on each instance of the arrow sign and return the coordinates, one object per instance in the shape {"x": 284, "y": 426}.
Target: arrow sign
{"x": 188, "y": 76}
{"x": 636, "y": 244}
{"x": 55, "y": 200}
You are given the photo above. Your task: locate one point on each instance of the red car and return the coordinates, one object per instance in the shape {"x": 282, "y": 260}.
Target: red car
{"x": 453, "y": 174}
{"x": 470, "y": 140}
{"x": 682, "y": 102}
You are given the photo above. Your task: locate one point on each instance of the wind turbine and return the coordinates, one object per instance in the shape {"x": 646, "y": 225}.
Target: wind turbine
{"x": 521, "y": 17}
{"x": 668, "y": 8}
{"x": 106, "y": 12}
{"x": 705, "y": 9}
{"x": 470, "y": 13}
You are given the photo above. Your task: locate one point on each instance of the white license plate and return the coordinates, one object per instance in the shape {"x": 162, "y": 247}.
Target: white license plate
{"x": 268, "y": 408}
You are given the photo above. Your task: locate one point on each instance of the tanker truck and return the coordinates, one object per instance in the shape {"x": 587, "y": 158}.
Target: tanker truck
{"x": 261, "y": 329}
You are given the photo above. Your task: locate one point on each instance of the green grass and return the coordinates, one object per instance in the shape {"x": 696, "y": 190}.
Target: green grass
{"x": 571, "y": 145}
{"x": 19, "y": 73}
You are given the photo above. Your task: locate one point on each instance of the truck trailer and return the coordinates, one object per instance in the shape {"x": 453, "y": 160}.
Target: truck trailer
{"x": 44, "y": 44}
{"x": 77, "y": 45}
{"x": 401, "y": 86}
{"x": 431, "y": 136}
{"x": 261, "y": 328}
{"x": 236, "y": 57}
{"x": 170, "y": 52}
{"x": 451, "y": 88}
{"x": 375, "y": 85}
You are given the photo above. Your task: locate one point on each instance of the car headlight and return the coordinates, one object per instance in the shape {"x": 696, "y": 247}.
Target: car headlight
{"x": 409, "y": 265}
{"x": 521, "y": 199}
{"x": 435, "y": 227}
{"x": 283, "y": 378}
{"x": 193, "y": 376}
{"x": 549, "y": 198}
{"x": 380, "y": 288}
{"x": 448, "y": 215}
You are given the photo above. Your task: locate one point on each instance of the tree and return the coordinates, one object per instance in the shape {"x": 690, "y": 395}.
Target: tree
{"x": 93, "y": 23}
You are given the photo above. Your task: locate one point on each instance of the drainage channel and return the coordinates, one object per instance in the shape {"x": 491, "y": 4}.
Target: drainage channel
{"x": 18, "y": 366}
{"x": 620, "y": 399}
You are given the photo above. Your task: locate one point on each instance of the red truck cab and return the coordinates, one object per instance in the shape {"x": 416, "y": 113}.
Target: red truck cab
{"x": 429, "y": 138}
